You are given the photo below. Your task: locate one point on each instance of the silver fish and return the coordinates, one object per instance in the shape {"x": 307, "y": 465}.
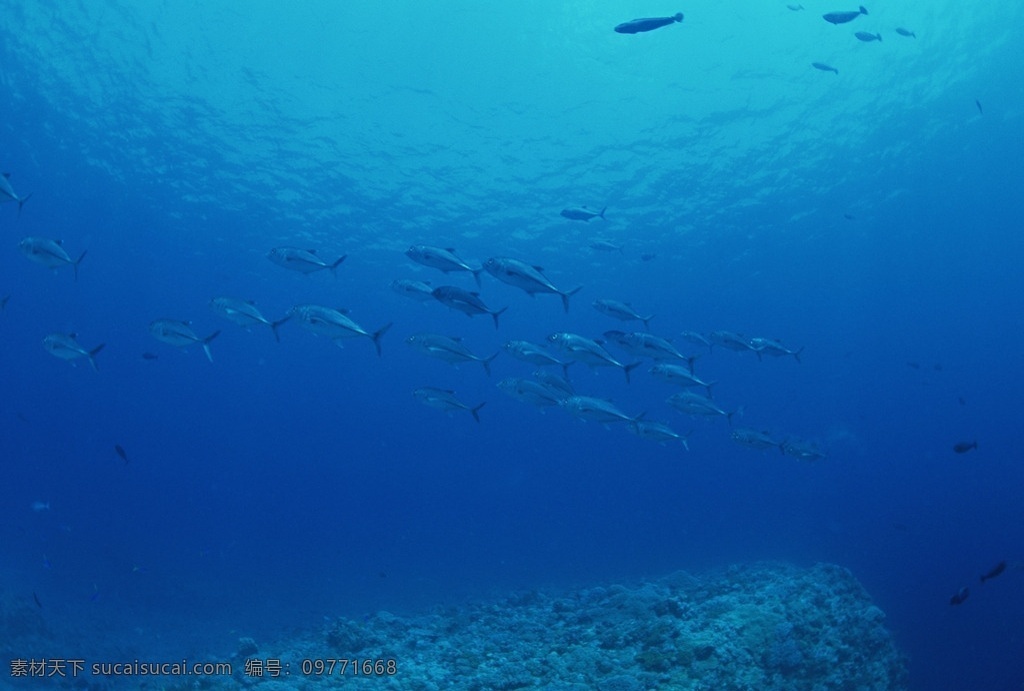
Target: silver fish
{"x": 303, "y": 261}
{"x": 7, "y": 193}
{"x": 755, "y": 439}
{"x": 803, "y": 450}
{"x": 730, "y": 340}
{"x": 66, "y": 347}
{"x": 444, "y": 399}
{"x": 334, "y": 324}
{"x": 467, "y": 302}
{"x": 843, "y": 17}
{"x": 596, "y": 409}
{"x": 244, "y": 313}
{"x": 559, "y": 386}
{"x": 622, "y": 311}
{"x": 589, "y": 352}
{"x": 525, "y": 277}
{"x": 441, "y": 258}
{"x": 417, "y": 290}
{"x": 641, "y": 344}
{"x": 530, "y": 391}
{"x": 448, "y": 349}
{"x": 656, "y": 431}
{"x": 534, "y": 354}
{"x": 582, "y": 213}
{"x": 771, "y": 346}
{"x": 679, "y": 375}
{"x": 180, "y": 334}
{"x": 49, "y": 253}
{"x": 696, "y": 404}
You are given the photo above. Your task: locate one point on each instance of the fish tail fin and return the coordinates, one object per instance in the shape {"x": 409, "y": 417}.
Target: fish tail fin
{"x": 274, "y": 326}
{"x": 375, "y": 336}
{"x": 92, "y": 355}
{"x": 796, "y": 354}
{"x": 21, "y": 202}
{"x": 679, "y": 16}
{"x": 476, "y": 276}
{"x": 863, "y": 10}
{"x": 601, "y": 215}
{"x": 475, "y": 411}
{"x": 629, "y": 368}
{"x": 206, "y": 344}
{"x": 495, "y": 315}
{"x": 78, "y": 261}
{"x": 333, "y": 267}
{"x": 486, "y": 362}
{"x": 566, "y": 296}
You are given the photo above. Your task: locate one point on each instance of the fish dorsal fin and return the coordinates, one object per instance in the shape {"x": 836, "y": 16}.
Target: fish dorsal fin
{"x": 59, "y": 242}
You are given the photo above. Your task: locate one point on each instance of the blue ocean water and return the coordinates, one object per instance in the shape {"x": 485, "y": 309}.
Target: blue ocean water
{"x": 871, "y": 217}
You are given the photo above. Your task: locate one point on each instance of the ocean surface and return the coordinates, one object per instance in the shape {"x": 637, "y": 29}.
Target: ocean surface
{"x": 869, "y": 217}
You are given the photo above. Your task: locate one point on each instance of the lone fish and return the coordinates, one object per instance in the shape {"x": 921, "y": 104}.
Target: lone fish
{"x": 843, "y": 17}
{"x": 867, "y": 36}
{"x": 639, "y": 26}
{"x": 582, "y": 213}
{"x": 995, "y": 571}
{"x": 965, "y": 446}
{"x": 823, "y": 67}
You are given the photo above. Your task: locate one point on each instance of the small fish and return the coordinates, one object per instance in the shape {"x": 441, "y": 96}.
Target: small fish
{"x": 849, "y": 217}
{"x": 303, "y": 261}
{"x": 335, "y": 324}
{"x": 679, "y": 375}
{"x": 656, "y": 431}
{"x": 49, "y": 253}
{"x": 994, "y": 571}
{"x": 149, "y": 356}
{"x": 868, "y": 37}
{"x": 469, "y": 303}
{"x": 533, "y": 392}
{"x": 648, "y": 256}
{"x": 417, "y": 290}
{"x": 534, "y": 354}
{"x": 638, "y": 26}
{"x": 596, "y": 409}
{"x": 622, "y": 311}
{"x": 644, "y": 344}
{"x": 794, "y": 8}
{"x": 823, "y": 67}
{"x": 245, "y": 314}
{"x": 843, "y": 17}
{"x": 773, "y": 347}
{"x": 526, "y": 277}
{"x": 38, "y": 603}
{"x": 960, "y": 596}
{"x": 696, "y": 404}
{"x": 803, "y": 450}
{"x": 754, "y": 439}
{"x": 561, "y": 386}
{"x": 448, "y": 349}
{"x": 7, "y": 193}
{"x": 121, "y": 452}
{"x": 589, "y": 352}
{"x": 730, "y": 340}
{"x": 66, "y": 347}
{"x": 582, "y": 214}
{"x": 180, "y": 334}
{"x": 978, "y": 103}
{"x": 442, "y": 258}
{"x": 905, "y": 32}
{"x": 38, "y": 506}
{"x": 965, "y": 446}
{"x": 444, "y": 399}
{"x": 606, "y": 246}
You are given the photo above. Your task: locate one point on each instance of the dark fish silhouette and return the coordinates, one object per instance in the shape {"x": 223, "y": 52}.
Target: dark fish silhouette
{"x": 996, "y": 570}
{"x": 3, "y": 303}
{"x": 905, "y": 32}
{"x": 867, "y": 36}
{"x": 843, "y": 17}
{"x": 637, "y": 26}
{"x": 38, "y": 603}
{"x": 121, "y": 452}
{"x": 960, "y": 596}
{"x": 965, "y": 446}
{"x": 978, "y": 103}
{"x": 823, "y": 67}
{"x": 149, "y": 356}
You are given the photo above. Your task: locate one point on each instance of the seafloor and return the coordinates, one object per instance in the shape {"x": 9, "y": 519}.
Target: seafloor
{"x": 763, "y": 626}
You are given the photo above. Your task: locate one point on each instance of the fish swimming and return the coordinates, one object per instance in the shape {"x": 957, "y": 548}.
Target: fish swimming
{"x": 994, "y": 571}
{"x": 534, "y": 354}
{"x": 448, "y": 349}
{"x": 606, "y": 246}
{"x": 588, "y": 351}
{"x": 582, "y": 214}
{"x": 560, "y": 386}
{"x": 180, "y": 334}
{"x": 335, "y": 325}
{"x": 754, "y": 439}
{"x": 843, "y": 17}
{"x": 905, "y": 32}
{"x": 656, "y": 431}
{"x": 960, "y": 596}
{"x": 417, "y": 290}
{"x": 444, "y": 399}
{"x": 622, "y": 311}
{"x": 642, "y": 344}
{"x": 978, "y": 103}
{"x": 823, "y": 67}
{"x": 66, "y": 347}
{"x": 773, "y": 347}
{"x": 696, "y": 404}
{"x": 529, "y": 391}
{"x": 696, "y": 339}
{"x": 794, "y": 8}
{"x": 466, "y": 302}
{"x": 121, "y": 453}
{"x": 525, "y": 277}
{"x": 303, "y": 261}
{"x": 730, "y": 340}
{"x": 38, "y": 506}
{"x": 965, "y": 446}
{"x": 441, "y": 258}
{"x": 149, "y": 356}
{"x": 49, "y": 253}
{"x": 596, "y": 409}
{"x": 867, "y": 37}
{"x": 638, "y": 26}
{"x": 679, "y": 375}
{"x": 7, "y": 193}
{"x": 245, "y": 314}
{"x": 803, "y": 450}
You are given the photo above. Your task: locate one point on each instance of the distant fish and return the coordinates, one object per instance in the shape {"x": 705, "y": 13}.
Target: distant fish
{"x": 448, "y": 349}
{"x": 622, "y": 311}
{"x": 696, "y": 338}
{"x": 754, "y": 439}
{"x": 994, "y": 571}
{"x": 606, "y": 246}
{"x": 648, "y": 256}
{"x": 731, "y": 340}
{"x": 38, "y": 603}
{"x": 38, "y": 506}
{"x": 905, "y": 32}
{"x": 561, "y": 386}
{"x": 335, "y": 324}
{"x": 303, "y": 261}
{"x": 3, "y": 302}
{"x": 7, "y": 193}
{"x": 960, "y": 597}
{"x": 596, "y": 410}
{"x": 794, "y": 8}
{"x": 417, "y": 290}
{"x": 589, "y": 352}
{"x": 582, "y": 213}
{"x": 656, "y": 431}
{"x": 444, "y": 399}
{"x": 867, "y": 37}
{"x": 823, "y": 67}
{"x": 149, "y": 356}
{"x": 773, "y": 347}
{"x": 530, "y": 391}
{"x": 180, "y": 334}
{"x": 965, "y": 446}
{"x": 244, "y": 313}
{"x": 644, "y": 344}
{"x": 534, "y": 354}
{"x": 66, "y": 347}
{"x": 843, "y": 17}
{"x": 526, "y": 277}
{"x": 121, "y": 452}
{"x": 803, "y": 450}
{"x": 441, "y": 258}
{"x": 679, "y": 375}
{"x": 467, "y": 302}
{"x": 49, "y": 253}
{"x": 978, "y": 103}
{"x": 638, "y": 26}
{"x": 696, "y": 404}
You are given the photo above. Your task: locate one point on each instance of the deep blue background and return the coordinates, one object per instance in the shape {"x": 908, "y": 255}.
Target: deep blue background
{"x": 295, "y": 480}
